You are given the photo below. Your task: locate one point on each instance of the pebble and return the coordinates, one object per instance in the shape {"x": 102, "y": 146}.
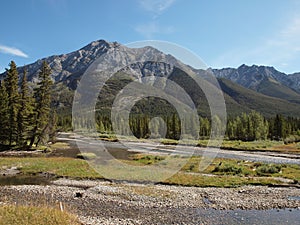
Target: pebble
{"x": 102, "y": 202}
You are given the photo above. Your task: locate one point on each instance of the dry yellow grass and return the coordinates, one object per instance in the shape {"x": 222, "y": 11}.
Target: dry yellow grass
{"x": 32, "y": 215}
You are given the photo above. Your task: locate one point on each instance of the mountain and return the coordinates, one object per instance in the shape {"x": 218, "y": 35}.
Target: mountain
{"x": 264, "y": 79}
{"x": 294, "y": 81}
{"x": 246, "y": 88}
{"x": 68, "y": 68}
{"x": 249, "y": 99}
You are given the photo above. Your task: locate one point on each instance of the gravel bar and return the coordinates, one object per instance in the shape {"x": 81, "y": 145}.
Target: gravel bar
{"x": 103, "y": 202}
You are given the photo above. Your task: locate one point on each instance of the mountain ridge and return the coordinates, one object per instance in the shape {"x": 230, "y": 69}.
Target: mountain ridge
{"x": 284, "y": 89}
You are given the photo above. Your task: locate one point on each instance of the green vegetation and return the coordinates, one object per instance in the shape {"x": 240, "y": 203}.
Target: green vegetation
{"x": 268, "y": 169}
{"x": 221, "y": 173}
{"x": 217, "y": 181}
{"x": 14, "y": 215}
{"x": 148, "y": 159}
{"x": 259, "y": 145}
{"x": 25, "y": 114}
{"x": 42, "y": 106}
{"x": 11, "y": 87}
{"x": 252, "y": 100}
{"x": 86, "y": 155}
{"x": 228, "y": 172}
{"x": 227, "y": 168}
{"x": 246, "y": 128}
{"x": 27, "y": 120}
{"x": 66, "y": 167}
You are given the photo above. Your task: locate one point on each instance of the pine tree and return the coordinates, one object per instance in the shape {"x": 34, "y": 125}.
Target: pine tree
{"x": 42, "y": 105}
{"x": 24, "y": 117}
{"x": 52, "y": 128}
{"x": 11, "y": 82}
{"x": 3, "y": 114}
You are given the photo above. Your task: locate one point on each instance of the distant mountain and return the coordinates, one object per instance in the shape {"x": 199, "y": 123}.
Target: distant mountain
{"x": 294, "y": 81}
{"x": 249, "y": 99}
{"x": 246, "y": 88}
{"x": 265, "y": 80}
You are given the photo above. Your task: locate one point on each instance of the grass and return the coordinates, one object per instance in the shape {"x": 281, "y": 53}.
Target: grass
{"x": 66, "y": 167}
{"x": 148, "y": 159}
{"x": 220, "y": 173}
{"x": 62, "y": 145}
{"x": 217, "y": 181}
{"x": 22, "y": 215}
{"x": 261, "y": 145}
{"x": 86, "y": 155}
{"x": 230, "y": 173}
{"x": 290, "y": 172}
{"x": 228, "y": 168}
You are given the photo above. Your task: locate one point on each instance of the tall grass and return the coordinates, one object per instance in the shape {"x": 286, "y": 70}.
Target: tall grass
{"x": 33, "y": 215}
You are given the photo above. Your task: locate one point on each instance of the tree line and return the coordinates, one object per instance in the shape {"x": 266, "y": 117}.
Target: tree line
{"x": 26, "y": 117}
{"x": 245, "y": 127}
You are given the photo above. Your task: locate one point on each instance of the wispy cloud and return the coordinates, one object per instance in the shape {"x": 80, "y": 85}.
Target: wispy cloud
{"x": 148, "y": 30}
{"x": 280, "y": 49}
{"x": 12, "y": 51}
{"x": 156, "y": 6}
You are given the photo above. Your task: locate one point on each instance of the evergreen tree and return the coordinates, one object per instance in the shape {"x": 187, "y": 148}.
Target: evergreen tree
{"x": 278, "y": 128}
{"x": 11, "y": 82}
{"x": 3, "y": 114}
{"x": 42, "y": 105}
{"x": 24, "y": 117}
{"x": 52, "y": 128}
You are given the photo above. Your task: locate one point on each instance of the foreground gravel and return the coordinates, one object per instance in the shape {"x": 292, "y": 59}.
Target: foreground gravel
{"x": 100, "y": 202}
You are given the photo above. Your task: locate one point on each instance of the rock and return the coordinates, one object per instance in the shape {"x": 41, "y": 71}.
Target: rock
{"x": 78, "y": 195}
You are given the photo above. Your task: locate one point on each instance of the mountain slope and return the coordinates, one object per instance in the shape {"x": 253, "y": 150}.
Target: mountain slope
{"x": 67, "y": 67}
{"x": 264, "y": 79}
{"x": 294, "y": 81}
{"x": 268, "y": 106}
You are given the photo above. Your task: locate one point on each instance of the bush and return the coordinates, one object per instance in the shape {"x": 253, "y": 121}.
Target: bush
{"x": 268, "y": 169}
{"x": 149, "y": 159}
{"x": 227, "y": 168}
{"x": 292, "y": 139}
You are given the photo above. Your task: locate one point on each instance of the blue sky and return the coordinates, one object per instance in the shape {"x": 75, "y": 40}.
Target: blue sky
{"x": 223, "y": 33}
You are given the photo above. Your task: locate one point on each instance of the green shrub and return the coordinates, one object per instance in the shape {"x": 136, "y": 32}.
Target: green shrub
{"x": 149, "y": 159}
{"x": 268, "y": 169}
{"x": 227, "y": 168}
{"x": 292, "y": 139}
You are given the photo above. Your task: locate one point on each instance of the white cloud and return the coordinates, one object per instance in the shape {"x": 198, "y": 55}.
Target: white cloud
{"x": 156, "y": 6}
{"x": 292, "y": 29}
{"x": 278, "y": 50}
{"x": 148, "y": 30}
{"x": 12, "y": 51}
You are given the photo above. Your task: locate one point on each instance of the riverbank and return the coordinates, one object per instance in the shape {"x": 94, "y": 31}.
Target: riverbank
{"x": 102, "y": 202}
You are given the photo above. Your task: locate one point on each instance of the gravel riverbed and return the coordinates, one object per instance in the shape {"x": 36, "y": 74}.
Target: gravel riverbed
{"x": 102, "y": 202}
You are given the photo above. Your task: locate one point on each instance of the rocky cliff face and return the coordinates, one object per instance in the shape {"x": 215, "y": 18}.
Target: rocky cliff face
{"x": 294, "y": 81}
{"x": 252, "y": 76}
{"x": 69, "y": 68}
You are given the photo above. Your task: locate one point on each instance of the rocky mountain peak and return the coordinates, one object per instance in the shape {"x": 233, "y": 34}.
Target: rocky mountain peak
{"x": 252, "y": 76}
